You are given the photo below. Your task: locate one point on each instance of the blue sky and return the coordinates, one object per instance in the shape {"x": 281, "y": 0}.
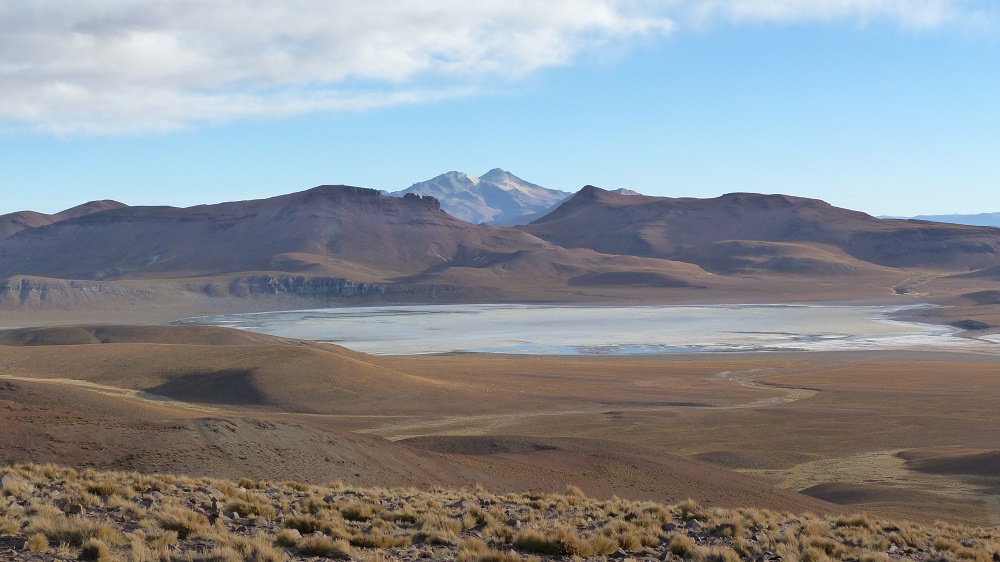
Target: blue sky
{"x": 878, "y": 105}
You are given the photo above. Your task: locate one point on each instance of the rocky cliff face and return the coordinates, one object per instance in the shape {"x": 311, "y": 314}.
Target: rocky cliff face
{"x": 25, "y": 292}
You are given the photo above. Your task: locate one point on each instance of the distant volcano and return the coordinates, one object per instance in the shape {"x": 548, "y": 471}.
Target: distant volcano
{"x": 497, "y": 197}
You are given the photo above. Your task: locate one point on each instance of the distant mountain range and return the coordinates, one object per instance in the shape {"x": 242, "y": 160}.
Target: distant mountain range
{"x": 335, "y": 242}
{"x": 497, "y": 197}
{"x": 981, "y": 219}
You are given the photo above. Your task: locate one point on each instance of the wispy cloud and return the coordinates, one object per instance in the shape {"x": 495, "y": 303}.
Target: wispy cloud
{"x": 910, "y": 14}
{"x": 119, "y": 66}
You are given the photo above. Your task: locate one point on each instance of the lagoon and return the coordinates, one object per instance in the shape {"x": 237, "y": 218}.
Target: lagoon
{"x": 581, "y": 329}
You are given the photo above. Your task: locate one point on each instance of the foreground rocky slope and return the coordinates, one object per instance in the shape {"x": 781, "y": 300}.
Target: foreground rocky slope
{"x": 53, "y": 513}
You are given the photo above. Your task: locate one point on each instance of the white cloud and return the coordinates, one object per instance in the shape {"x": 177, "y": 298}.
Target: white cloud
{"x": 117, "y": 66}
{"x": 911, "y": 14}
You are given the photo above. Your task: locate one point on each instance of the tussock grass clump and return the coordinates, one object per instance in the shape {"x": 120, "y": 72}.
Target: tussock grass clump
{"x": 73, "y": 531}
{"x": 715, "y": 554}
{"x": 94, "y": 549}
{"x": 37, "y": 542}
{"x": 860, "y": 520}
{"x": 377, "y": 538}
{"x": 492, "y": 555}
{"x": 439, "y": 529}
{"x": 249, "y": 504}
{"x": 305, "y": 524}
{"x": 106, "y": 488}
{"x": 681, "y": 544}
{"x": 321, "y": 545}
{"x": 691, "y": 509}
{"x": 258, "y": 548}
{"x": 405, "y": 515}
{"x": 182, "y": 521}
{"x": 560, "y": 541}
{"x": 357, "y": 511}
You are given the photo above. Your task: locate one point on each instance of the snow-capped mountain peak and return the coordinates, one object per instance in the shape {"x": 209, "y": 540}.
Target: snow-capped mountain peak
{"x": 496, "y": 197}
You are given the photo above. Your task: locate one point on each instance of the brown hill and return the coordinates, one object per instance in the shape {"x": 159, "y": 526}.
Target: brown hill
{"x": 208, "y": 365}
{"x": 778, "y": 233}
{"x": 329, "y": 230}
{"x": 216, "y": 401}
{"x": 326, "y": 242}
{"x": 88, "y": 208}
{"x": 11, "y": 224}
{"x": 115, "y": 333}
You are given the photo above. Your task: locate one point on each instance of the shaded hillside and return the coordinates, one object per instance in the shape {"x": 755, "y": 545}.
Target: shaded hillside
{"x": 744, "y": 231}
{"x": 12, "y": 223}
{"x": 337, "y": 231}
{"x": 497, "y": 197}
{"x": 210, "y": 365}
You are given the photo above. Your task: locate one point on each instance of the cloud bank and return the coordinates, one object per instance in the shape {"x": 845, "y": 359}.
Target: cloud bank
{"x": 121, "y": 66}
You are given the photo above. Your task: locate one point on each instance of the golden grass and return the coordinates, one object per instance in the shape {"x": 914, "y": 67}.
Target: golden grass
{"x": 182, "y": 520}
{"x": 467, "y": 525}
{"x": 249, "y": 504}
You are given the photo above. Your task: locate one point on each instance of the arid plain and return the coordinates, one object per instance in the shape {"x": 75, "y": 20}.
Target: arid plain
{"x": 903, "y": 434}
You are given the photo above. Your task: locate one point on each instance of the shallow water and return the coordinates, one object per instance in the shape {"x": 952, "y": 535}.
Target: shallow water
{"x": 571, "y": 330}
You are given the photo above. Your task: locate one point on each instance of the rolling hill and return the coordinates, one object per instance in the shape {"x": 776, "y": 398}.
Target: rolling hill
{"x": 13, "y": 223}
{"x": 777, "y": 233}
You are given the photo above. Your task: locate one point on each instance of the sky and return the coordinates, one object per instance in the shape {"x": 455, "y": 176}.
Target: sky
{"x": 891, "y": 107}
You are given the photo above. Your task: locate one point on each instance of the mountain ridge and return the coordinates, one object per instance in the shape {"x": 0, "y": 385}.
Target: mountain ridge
{"x": 977, "y": 219}
{"x": 692, "y": 230}
{"x": 335, "y": 244}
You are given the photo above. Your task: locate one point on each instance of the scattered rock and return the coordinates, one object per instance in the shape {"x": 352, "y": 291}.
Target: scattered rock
{"x": 213, "y": 492}
{"x": 12, "y": 543}
{"x": 693, "y": 524}
{"x": 10, "y": 482}
{"x": 75, "y": 509}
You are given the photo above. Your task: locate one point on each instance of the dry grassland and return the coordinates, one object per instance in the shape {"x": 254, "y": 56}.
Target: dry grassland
{"x": 851, "y": 431}
{"x": 53, "y": 513}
